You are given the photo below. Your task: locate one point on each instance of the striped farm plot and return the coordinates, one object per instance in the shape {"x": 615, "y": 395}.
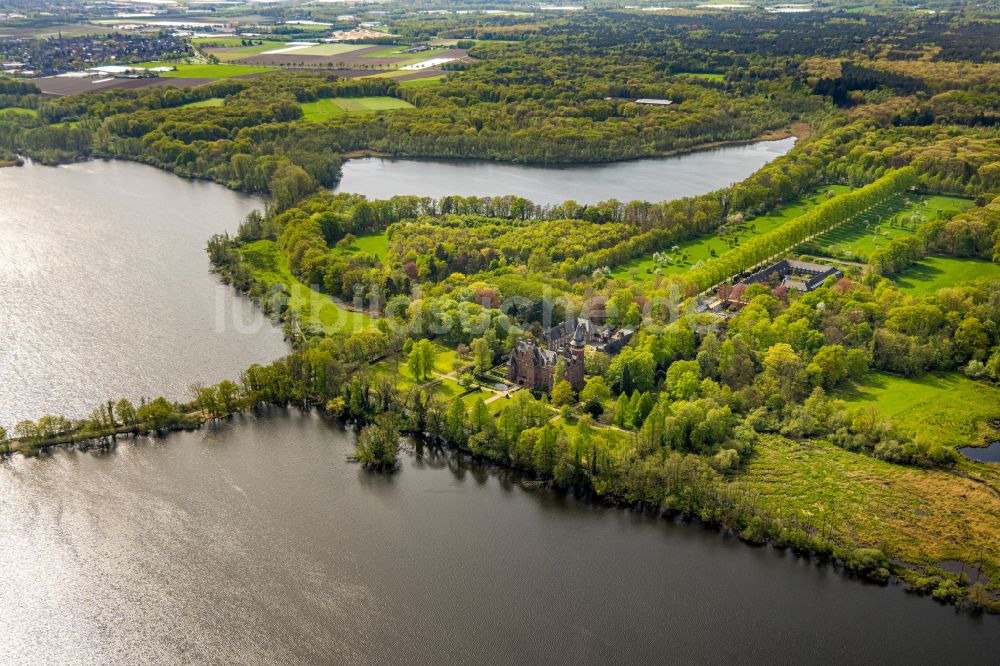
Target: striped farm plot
{"x": 289, "y": 47}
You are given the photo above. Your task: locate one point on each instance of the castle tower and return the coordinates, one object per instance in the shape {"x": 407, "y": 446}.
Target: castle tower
{"x": 575, "y": 371}
{"x": 577, "y": 345}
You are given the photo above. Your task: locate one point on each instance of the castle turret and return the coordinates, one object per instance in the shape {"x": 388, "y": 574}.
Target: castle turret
{"x": 575, "y": 371}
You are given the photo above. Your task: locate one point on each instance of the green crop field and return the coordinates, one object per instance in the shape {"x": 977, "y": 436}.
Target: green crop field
{"x": 211, "y": 101}
{"x": 313, "y": 308}
{"x": 232, "y": 49}
{"x": 946, "y": 407}
{"x": 335, "y": 106}
{"x": 898, "y": 216}
{"x": 423, "y": 83}
{"x": 691, "y": 252}
{"x": 199, "y": 71}
{"x": 321, "y": 109}
{"x": 935, "y": 273}
{"x": 221, "y": 41}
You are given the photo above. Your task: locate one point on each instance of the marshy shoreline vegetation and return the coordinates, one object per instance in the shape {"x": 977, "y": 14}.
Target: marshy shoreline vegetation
{"x": 780, "y": 422}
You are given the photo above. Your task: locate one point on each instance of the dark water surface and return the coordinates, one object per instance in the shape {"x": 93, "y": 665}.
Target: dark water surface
{"x": 647, "y": 180}
{"x": 105, "y": 289}
{"x": 257, "y": 542}
{"x": 987, "y": 454}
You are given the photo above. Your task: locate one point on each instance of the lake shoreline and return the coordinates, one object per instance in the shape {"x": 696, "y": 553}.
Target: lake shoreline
{"x": 800, "y": 131}
{"x": 195, "y": 421}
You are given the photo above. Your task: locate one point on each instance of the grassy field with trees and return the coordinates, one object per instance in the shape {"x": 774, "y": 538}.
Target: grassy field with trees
{"x": 933, "y": 273}
{"x": 901, "y": 215}
{"x": 689, "y": 254}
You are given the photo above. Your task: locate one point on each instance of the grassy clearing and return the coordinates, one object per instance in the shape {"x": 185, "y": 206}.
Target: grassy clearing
{"x": 313, "y": 308}
{"x": 898, "y": 216}
{"x": 18, "y": 111}
{"x": 708, "y": 76}
{"x": 444, "y": 364}
{"x": 210, "y": 102}
{"x": 327, "y": 108}
{"x": 935, "y": 273}
{"x": 947, "y": 407}
{"x": 374, "y": 244}
{"x": 193, "y": 71}
{"x": 920, "y": 516}
{"x": 700, "y": 249}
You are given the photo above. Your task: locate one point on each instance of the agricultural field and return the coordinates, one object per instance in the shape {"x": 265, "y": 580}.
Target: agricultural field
{"x": 917, "y": 515}
{"x": 313, "y": 308}
{"x": 947, "y": 407}
{"x": 398, "y": 52}
{"x": 423, "y": 82}
{"x": 935, "y": 273}
{"x": 336, "y": 106}
{"x": 690, "y": 253}
{"x": 200, "y": 71}
{"x": 231, "y": 49}
{"x": 328, "y": 49}
{"x": 899, "y": 216}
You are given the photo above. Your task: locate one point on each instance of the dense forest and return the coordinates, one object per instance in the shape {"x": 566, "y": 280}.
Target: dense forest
{"x": 677, "y": 419}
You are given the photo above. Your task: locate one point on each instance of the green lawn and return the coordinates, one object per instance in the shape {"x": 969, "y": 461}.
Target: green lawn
{"x": 211, "y": 101}
{"x": 314, "y": 308}
{"x": 444, "y": 360}
{"x": 327, "y": 108}
{"x": 375, "y": 244}
{"x": 700, "y": 249}
{"x": 935, "y": 273}
{"x": 898, "y": 216}
{"x": 948, "y": 407}
{"x": 199, "y": 71}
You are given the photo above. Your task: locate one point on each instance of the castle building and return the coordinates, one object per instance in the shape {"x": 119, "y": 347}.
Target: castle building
{"x": 534, "y": 366}
{"x": 602, "y": 338}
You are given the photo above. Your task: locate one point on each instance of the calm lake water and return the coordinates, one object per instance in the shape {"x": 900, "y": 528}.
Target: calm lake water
{"x": 648, "y": 180}
{"x": 106, "y": 289}
{"x": 257, "y": 542}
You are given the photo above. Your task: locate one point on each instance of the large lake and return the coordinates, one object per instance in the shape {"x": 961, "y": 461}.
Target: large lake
{"x": 257, "y": 542}
{"x": 105, "y": 289}
{"x": 659, "y": 179}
